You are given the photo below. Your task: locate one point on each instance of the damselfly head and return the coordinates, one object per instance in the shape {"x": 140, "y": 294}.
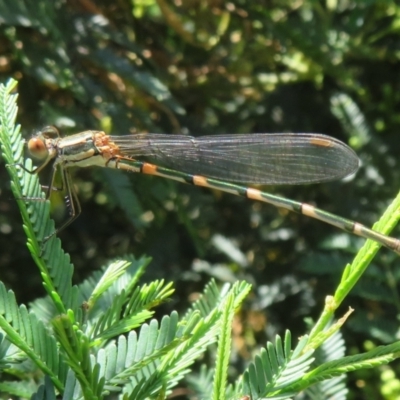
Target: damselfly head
{"x": 37, "y": 145}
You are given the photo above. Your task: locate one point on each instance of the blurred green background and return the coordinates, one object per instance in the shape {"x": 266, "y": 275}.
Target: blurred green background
{"x": 209, "y": 67}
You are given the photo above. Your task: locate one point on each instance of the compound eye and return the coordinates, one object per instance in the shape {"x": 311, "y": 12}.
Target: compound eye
{"x": 37, "y": 148}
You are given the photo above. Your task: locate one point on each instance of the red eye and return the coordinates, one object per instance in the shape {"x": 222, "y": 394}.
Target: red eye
{"x": 37, "y": 148}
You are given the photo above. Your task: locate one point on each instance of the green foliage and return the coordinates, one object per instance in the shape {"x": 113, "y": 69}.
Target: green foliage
{"x": 224, "y": 346}
{"x": 93, "y": 350}
{"x": 335, "y": 388}
{"x": 204, "y": 67}
{"x": 276, "y": 367}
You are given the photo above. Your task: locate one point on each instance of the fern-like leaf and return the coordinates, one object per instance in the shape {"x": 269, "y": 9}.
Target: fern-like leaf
{"x": 276, "y": 368}
{"x": 31, "y": 336}
{"x": 135, "y": 357}
{"x": 379, "y": 356}
{"x": 154, "y": 360}
{"x": 129, "y": 310}
{"x": 201, "y": 384}
{"x": 333, "y": 348}
{"x": 53, "y": 263}
{"x": 45, "y": 391}
{"x": 224, "y": 350}
{"x": 75, "y": 346}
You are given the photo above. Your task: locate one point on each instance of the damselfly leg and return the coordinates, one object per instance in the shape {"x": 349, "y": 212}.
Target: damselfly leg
{"x": 40, "y": 147}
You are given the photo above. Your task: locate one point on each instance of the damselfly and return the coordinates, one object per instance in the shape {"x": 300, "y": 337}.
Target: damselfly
{"x": 223, "y": 162}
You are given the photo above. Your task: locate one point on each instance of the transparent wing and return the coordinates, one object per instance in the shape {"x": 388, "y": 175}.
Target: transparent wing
{"x": 268, "y": 159}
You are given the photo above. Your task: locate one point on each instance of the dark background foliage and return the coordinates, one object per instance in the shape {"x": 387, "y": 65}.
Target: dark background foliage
{"x": 208, "y": 67}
